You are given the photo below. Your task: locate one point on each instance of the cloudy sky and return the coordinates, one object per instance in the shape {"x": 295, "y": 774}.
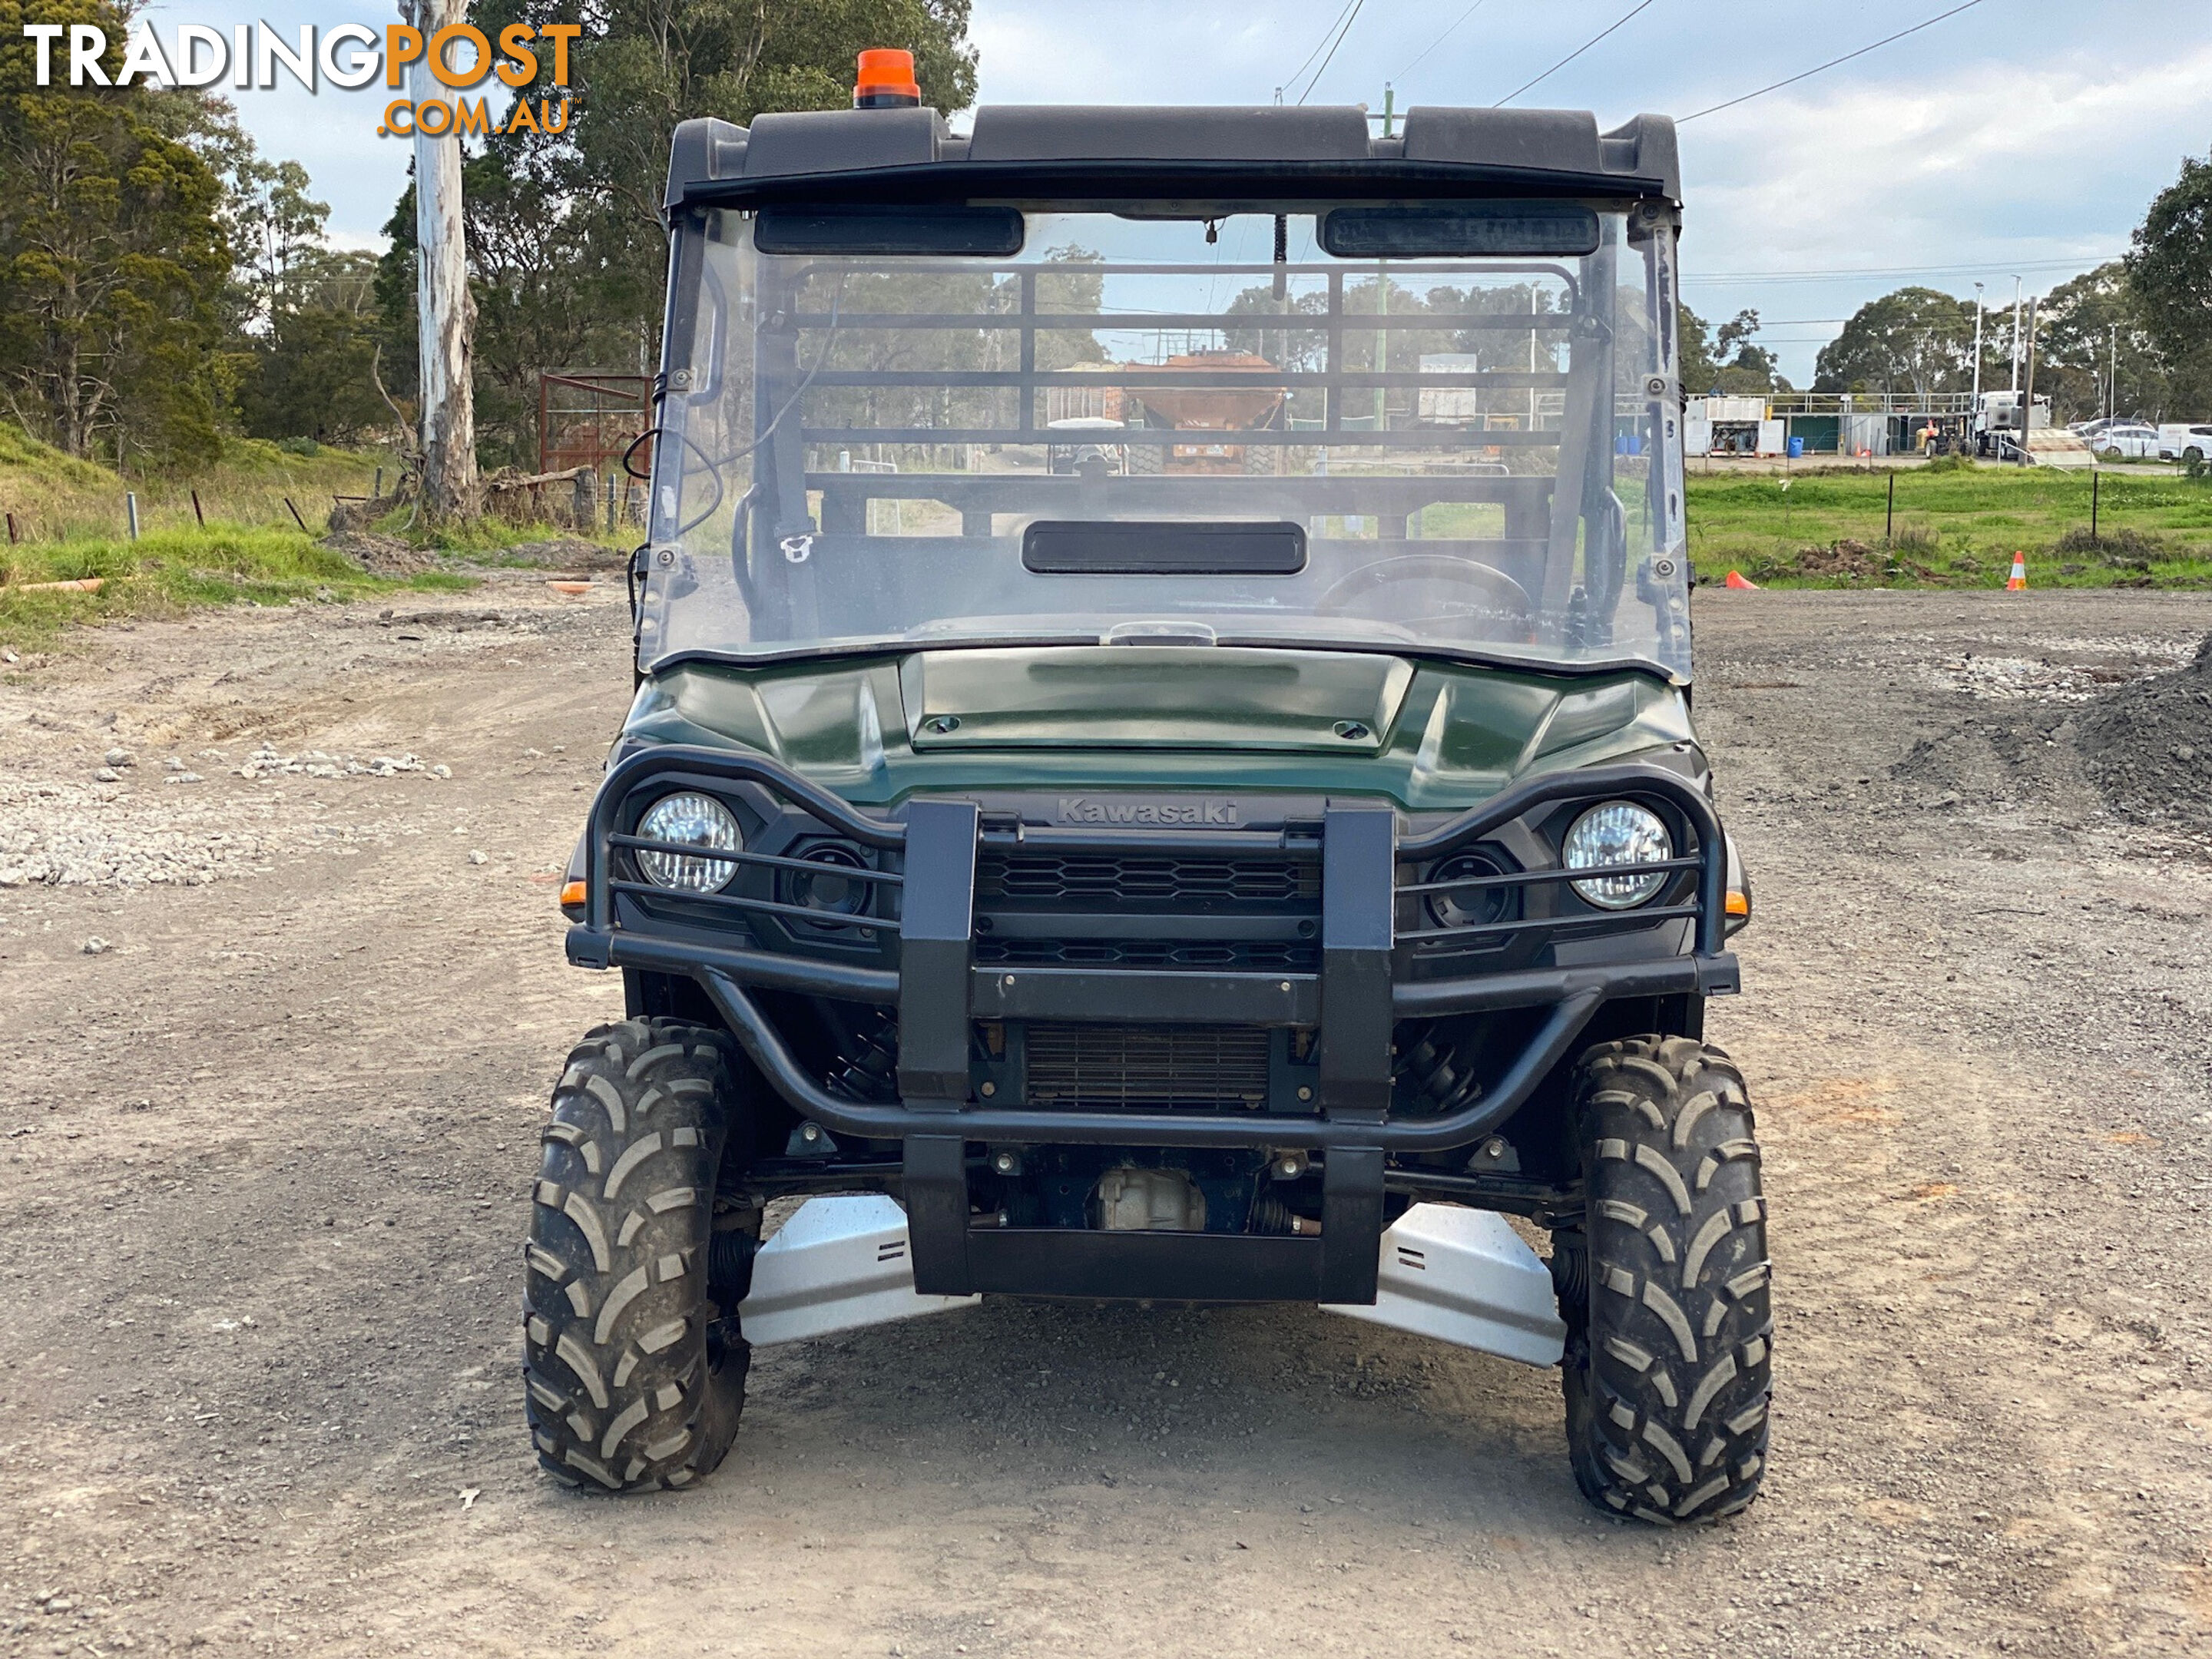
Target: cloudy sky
{"x": 2020, "y": 137}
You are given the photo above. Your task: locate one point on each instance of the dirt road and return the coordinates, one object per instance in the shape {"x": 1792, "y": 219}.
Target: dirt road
{"x": 267, "y": 1157}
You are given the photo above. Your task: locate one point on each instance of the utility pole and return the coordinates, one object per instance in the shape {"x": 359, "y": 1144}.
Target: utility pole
{"x": 2015, "y": 337}
{"x": 2112, "y": 377}
{"x": 1974, "y": 405}
{"x": 1977, "y": 346}
{"x": 445, "y": 314}
{"x": 2028, "y": 389}
{"x": 1382, "y": 289}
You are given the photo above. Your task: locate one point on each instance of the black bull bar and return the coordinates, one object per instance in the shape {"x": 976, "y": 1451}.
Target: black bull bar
{"x": 939, "y": 992}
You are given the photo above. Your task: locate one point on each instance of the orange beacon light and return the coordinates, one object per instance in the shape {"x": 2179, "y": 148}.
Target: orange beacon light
{"x": 886, "y": 81}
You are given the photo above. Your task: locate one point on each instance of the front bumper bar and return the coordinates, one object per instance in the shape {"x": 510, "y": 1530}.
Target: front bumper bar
{"x": 1354, "y": 1000}
{"x": 939, "y": 992}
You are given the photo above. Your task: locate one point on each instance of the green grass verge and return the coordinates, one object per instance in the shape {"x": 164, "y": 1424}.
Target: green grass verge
{"x": 52, "y": 497}
{"x": 1955, "y": 527}
{"x": 171, "y": 572}
{"x": 485, "y": 541}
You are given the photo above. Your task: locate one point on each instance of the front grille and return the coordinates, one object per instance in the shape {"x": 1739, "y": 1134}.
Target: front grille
{"x": 1257, "y": 956}
{"x": 1099, "y": 880}
{"x": 1140, "y": 1068}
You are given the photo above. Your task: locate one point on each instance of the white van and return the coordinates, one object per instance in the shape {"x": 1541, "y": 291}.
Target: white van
{"x": 2185, "y": 441}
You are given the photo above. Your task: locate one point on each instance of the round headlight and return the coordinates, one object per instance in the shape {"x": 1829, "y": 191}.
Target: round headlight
{"x": 691, "y": 820}
{"x": 1618, "y": 832}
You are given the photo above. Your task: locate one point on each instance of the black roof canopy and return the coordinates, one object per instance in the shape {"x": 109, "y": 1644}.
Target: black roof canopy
{"x": 1108, "y": 151}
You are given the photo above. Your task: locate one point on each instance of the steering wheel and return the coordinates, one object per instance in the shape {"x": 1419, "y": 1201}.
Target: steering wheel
{"x": 1424, "y": 567}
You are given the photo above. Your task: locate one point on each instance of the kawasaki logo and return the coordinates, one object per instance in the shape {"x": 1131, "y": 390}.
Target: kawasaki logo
{"x": 1073, "y": 809}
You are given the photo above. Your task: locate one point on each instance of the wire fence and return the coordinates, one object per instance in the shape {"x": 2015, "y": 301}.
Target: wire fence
{"x": 1944, "y": 521}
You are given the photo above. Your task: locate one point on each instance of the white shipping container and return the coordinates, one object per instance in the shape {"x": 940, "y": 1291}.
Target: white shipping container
{"x": 1715, "y": 410}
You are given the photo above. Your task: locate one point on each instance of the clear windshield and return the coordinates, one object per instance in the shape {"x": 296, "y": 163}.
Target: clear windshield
{"x": 1180, "y": 428}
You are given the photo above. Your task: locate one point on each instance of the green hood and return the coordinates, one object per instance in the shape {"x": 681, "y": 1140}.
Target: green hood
{"x": 1428, "y": 735}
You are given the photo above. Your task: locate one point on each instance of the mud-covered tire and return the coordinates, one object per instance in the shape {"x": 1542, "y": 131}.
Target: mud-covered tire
{"x": 634, "y": 1377}
{"x": 1668, "y": 1366}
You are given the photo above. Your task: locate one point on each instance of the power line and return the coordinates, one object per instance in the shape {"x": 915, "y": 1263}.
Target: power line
{"x": 1439, "y": 40}
{"x": 1998, "y": 263}
{"x": 1318, "y": 45}
{"x": 1846, "y": 273}
{"x": 1570, "y": 56}
{"x": 1326, "y": 62}
{"x": 1831, "y": 64}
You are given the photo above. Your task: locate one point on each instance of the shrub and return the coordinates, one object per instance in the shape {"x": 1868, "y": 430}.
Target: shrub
{"x": 2125, "y": 546}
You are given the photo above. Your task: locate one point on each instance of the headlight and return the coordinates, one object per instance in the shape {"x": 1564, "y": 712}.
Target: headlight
{"x": 693, "y": 820}
{"x": 1618, "y": 832}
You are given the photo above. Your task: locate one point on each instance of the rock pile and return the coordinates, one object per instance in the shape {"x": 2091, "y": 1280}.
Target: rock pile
{"x": 69, "y": 835}
{"x": 2149, "y": 746}
{"x": 266, "y": 763}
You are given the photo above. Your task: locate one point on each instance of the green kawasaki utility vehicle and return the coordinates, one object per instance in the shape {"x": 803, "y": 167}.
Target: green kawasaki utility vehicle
{"x": 1162, "y": 770}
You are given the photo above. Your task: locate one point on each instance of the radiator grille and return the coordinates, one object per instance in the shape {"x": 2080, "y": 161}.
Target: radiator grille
{"x": 1258, "y": 956}
{"x": 1089, "y": 880}
{"x": 1105, "y": 1067}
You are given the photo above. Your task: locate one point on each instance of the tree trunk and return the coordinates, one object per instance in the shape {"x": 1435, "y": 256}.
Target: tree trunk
{"x": 445, "y": 315}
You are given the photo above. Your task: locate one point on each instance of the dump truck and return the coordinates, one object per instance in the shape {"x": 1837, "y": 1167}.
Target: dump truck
{"x": 1221, "y": 394}
{"x": 1153, "y": 885}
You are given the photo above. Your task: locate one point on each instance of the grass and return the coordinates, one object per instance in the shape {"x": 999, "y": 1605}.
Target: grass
{"x": 69, "y": 521}
{"x": 1956, "y": 527}
{"x": 54, "y": 498}
{"x": 485, "y": 540}
{"x": 169, "y": 572}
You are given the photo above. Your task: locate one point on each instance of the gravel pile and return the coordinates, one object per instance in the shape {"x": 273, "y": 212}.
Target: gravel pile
{"x": 2020, "y": 679}
{"x": 117, "y": 831}
{"x": 72, "y": 836}
{"x": 2075, "y": 668}
{"x": 266, "y": 763}
{"x": 2149, "y": 746}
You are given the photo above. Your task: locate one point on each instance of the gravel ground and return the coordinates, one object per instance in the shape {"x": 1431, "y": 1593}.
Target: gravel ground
{"x": 281, "y": 1038}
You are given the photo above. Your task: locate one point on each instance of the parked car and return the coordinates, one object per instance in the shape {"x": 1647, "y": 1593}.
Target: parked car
{"x": 2125, "y": 440}
{"x": 2185, "y": 441}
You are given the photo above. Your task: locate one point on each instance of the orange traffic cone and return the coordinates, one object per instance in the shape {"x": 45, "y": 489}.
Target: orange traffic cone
{"x": 1735, "y": 578}
{"x": 2017, "y": 583}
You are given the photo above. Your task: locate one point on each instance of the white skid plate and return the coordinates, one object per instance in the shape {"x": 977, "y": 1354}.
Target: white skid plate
{"x": 838, "y": 1264}
{"x": 1465, "y": 1276}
